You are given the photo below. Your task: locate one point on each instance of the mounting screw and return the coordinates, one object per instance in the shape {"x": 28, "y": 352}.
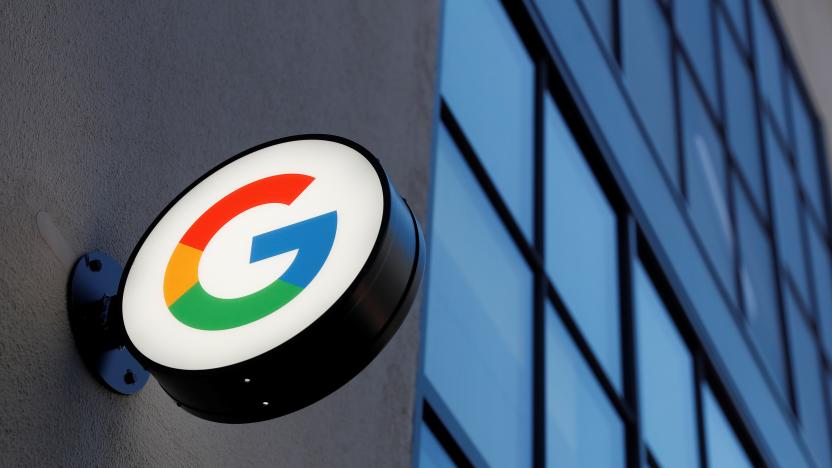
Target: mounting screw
{"x": 95, "y": 265}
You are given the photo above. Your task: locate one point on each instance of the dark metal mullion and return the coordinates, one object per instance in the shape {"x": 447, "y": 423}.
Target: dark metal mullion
{"x": 719, "y": 105}
{"x": 711, "y": 107}
{"x": 802, "y": 206}
{"x": 731, "y": 167}
{"x": 450, "y": 442}
{"x": 791, "y": 131}
{"x": 744, "y": 45}
{"x": 488, "y": 187}
{"x": 588, "y": 355}
{"x": 732, "y": 159}
{"x": 539, "y": 318}
{"x": 627, "y": 253}
{"x": 698, "y": 381}
{"x": 757, "y": 454}
{"x": 685, "y": 60}
{"x": 681, "y": 159}
{"x": 676, "y": 48}
{"x": 760, "y": 114}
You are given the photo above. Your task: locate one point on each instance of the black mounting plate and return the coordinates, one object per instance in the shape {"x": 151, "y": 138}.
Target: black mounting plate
{"x": 93, "y": 286}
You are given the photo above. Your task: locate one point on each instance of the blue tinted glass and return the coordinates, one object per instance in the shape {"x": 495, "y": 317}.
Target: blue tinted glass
{"x": 759, "y": 289}
{"x": 646, "y": 61}
{"x": 808, "y": 384}
{"x": 736, "y": 11}
{"x": 431, "y": 453}
{"x": 693, "y": 21}
{"x": 805, "y": 147}
{"x": 582, "y": 427}
{"x": 665, "y": 379}
{"x": 478, "y": 345}
{"x": 786, "y": 211}
{"x": 580, "y": 248}
{"x": 707, "y": 192}
{"x": 767, "y": 55}
{"x": 723, "y": 446}
{"x": 823, "y": 283}
{"x": 601, "y": 13}
{"x": 488, "y": 82}
{"x": 740, "y": 113}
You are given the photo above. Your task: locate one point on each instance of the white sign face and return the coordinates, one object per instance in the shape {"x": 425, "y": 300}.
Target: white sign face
{"x": 253, "y": 254}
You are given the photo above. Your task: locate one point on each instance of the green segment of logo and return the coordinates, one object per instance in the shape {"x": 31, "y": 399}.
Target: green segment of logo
{"x": 199, "y": 309}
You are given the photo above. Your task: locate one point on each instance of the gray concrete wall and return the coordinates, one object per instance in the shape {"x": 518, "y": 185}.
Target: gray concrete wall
{"x": 108, "y": 111}
{"x": 808, "y": 25}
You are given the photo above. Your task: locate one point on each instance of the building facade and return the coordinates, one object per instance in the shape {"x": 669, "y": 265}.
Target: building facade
{"x": 626, "y": 204}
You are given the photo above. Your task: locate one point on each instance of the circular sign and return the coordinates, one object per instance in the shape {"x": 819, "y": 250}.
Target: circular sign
{"x": 272, "y": 280}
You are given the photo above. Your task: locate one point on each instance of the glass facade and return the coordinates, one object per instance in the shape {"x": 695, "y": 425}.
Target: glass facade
{"x": 629, "y": 250}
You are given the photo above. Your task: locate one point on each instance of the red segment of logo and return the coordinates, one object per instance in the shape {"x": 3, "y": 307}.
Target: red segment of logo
{"x": 282, "y": 189}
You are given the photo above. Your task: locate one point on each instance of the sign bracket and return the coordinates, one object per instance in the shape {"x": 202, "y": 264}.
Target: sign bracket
{"x": 100, "y": 339}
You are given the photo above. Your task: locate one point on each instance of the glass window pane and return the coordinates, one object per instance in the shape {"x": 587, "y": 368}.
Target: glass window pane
{"x": 601, "y": 13}
{"x": 786, "y": 211}
{"x": 806, "y": 148}
{"x": 740, "y": 113}
{"x": 693, "y": 22}
{"x": 823, "y": 283}
{"x": 665, "y": 379}
{"x": 808, "y": 384}
{"x": 583, "y": 428}
{"x": 479, "y": 327}
{"x": 707, "y": 191}
{"x": 431, "y": 453}
{"x": 759, "y": 291}
{"x": 646, "y": 59}
{"x": 768, "y": 58}
{"x": 736, "y": 11}
{"x": 723, "y": 446}
{"x": 488, "y": 82}
{"x": 581, "y": 255}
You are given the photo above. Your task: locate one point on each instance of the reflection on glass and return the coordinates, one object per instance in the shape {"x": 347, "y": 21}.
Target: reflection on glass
{"x": 580, "y": 248}
{"x": 488, "y": 82}
{"x": 693, "y": 22}
{"x": 808, "y": 383}
{"x": 478, "y": 343}
{"x": 583, "y": 429}
{"x": 759, "y": 289}
{"x": 431, "y": 453}
{"x": 646, "y": 62}
{"x": 786, "y": 211}
{"x": 665, "y": 380}
{"x": 740, "y": 111}
{"x": 707, "y": 192}
{"x": 723, "y": 446}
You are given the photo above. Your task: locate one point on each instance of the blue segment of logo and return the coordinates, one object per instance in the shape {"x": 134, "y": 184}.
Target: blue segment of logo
{"x": 312, "y": 238}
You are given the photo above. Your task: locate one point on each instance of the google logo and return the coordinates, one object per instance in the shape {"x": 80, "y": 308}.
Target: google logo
{"x": 192, "y": 305}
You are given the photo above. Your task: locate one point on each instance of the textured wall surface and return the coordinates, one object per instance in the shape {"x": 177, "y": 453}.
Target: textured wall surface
{"x": 108, "y": 111}
{"x": 808, "y": 25}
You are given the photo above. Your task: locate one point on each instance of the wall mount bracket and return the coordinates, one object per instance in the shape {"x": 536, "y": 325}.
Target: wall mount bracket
{"x": 93, "y": 290}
